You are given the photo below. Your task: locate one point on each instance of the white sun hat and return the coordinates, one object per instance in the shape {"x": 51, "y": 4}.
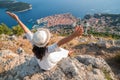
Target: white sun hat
{"x": 41, "y": 37}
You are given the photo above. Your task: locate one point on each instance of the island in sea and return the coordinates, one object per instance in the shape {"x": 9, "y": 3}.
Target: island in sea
{"x": 15, "y": 6}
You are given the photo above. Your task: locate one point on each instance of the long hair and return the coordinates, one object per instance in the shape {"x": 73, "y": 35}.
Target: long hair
{"x": 39, "y": 52}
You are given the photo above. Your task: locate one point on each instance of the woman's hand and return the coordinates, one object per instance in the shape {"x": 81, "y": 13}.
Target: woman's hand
{"x": 78, "y": 31}
{"x": 23, "y": 26}
{"x": 71, "y": 52}
{"x": 14, "y": 16}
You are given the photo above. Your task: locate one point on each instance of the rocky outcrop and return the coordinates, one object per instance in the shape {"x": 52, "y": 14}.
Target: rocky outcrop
{"x": 6, "y": 37}
{"x": 96, "y": 65}
{"x": 106, "y": 43}
{"x": 103, "y": 44}
{"x": 25, "y": 67}
{"x": 117, "y": 43}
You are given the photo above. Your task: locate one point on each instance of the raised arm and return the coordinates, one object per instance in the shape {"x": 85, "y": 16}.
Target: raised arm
{"x": 14, "y": 16}
{"x": 78, "y": 32}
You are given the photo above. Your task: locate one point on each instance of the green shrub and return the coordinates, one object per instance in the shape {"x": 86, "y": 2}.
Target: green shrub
{"x": 107, "y": 75}
{"x": 17, "y": 30}
{"x": 34, "y": 30}
{"x": 104, "y": 34}
{"x": 4, "y": 29}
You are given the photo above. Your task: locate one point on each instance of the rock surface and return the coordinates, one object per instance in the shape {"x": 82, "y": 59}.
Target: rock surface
{"x": 24, "y": 67}
{"x": 103, "y": 43}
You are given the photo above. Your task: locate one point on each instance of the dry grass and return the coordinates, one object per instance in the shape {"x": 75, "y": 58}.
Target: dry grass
{"x": 8, "y": 57}
{"x": 14, "y": 45}
{"x": 1, "y": 69}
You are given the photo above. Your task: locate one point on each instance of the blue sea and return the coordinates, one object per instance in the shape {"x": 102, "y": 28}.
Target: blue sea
{"x": 43, "y": 8}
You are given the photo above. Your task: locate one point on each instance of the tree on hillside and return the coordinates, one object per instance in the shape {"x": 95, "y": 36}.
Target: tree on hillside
{"x": 17, "y": 30}
{"x": 4, "y": 29}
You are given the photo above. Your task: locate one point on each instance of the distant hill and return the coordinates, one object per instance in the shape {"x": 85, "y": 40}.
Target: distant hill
{"x": 110, "y": 19}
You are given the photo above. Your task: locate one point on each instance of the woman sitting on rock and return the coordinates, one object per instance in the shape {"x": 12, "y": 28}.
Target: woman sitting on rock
{"x": 47, "y": 56}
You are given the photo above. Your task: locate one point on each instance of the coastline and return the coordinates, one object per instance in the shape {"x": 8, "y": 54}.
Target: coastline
{"x": 24, "y": 10}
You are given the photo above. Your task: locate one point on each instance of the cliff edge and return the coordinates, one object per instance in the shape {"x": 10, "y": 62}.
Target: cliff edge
{"x": 25, "y": 67}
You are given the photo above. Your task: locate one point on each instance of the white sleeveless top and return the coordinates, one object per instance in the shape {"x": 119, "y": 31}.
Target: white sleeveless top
{"x": 53, "y": 55}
